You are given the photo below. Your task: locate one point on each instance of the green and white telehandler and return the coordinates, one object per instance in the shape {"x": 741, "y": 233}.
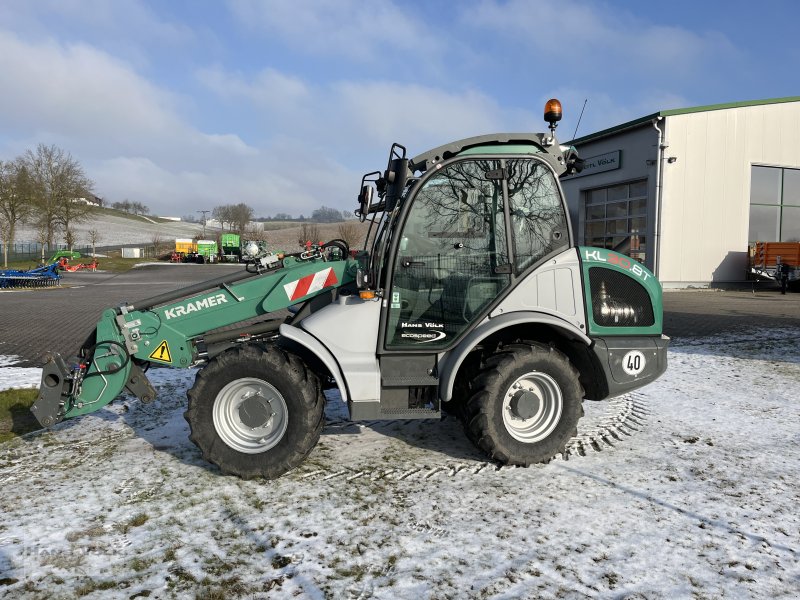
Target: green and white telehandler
{"x": 471, "y": 297}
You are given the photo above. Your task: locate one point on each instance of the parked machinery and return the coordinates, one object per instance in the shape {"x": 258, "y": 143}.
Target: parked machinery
{"x": 471, "y": 298}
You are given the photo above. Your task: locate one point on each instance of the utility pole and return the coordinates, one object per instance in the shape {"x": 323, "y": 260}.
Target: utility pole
{"x": 205, "y": 212}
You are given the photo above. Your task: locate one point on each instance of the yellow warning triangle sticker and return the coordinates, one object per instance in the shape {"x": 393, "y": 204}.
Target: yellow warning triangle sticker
{"x": 162, "y": 352}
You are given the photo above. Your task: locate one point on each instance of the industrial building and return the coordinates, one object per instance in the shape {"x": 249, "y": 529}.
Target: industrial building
{"x": 685, "y": 191}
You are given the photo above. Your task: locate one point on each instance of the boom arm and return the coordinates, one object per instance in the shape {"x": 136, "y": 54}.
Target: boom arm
{"x": 171, "y": 333}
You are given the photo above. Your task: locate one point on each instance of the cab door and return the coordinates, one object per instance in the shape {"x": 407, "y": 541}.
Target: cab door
{"x": 473, "y": 228}
{"x": 452, "y": 257}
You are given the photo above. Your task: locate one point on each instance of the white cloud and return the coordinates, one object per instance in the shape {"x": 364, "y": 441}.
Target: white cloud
{"x": 319, "y": 89}
{"x": 348, "y": 28}
{"x": 598, "y": 42}
{"x": 129, "y": 133}
{"x": 269, "y": 89}
{"x": 129, "y": 23}
{"x": 128, "y": 29}
{"x": 417, "y": 115}
{"x": 77, "y": 90}
{"x": 352, "y": 114}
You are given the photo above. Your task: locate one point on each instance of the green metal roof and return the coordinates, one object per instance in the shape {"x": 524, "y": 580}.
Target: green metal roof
{"x": 679, "y": 111}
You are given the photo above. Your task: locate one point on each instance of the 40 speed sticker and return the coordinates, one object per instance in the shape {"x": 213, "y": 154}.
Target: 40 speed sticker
{"x": 633, "y": 362}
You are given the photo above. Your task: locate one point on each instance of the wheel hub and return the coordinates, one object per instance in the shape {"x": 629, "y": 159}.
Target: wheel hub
{"x": 532, "y": 407}
{"x": 250, "y": 415}
{"x": 255, "y": 412}
{"x": 524, "y": 404}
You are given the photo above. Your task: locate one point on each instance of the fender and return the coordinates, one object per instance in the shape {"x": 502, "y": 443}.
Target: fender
{"x": 317, "y": 348}
{"x": 452, "y": 361}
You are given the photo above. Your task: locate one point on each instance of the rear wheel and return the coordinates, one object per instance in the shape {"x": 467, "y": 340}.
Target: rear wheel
{"x": 255, "y": 411}
{"x": 526, "y": 404}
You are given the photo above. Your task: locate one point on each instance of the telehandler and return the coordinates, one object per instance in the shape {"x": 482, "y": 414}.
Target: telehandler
{"x": 471, "y": 297}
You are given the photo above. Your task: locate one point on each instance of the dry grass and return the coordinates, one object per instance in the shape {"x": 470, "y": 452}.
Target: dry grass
{"x": 15, "y": 415}
{"x": 288, "y": 239}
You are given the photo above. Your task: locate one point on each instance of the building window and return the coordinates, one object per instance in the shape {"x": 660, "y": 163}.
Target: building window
{"x": 615, "y": 217}
{"x": 774, "y": 204}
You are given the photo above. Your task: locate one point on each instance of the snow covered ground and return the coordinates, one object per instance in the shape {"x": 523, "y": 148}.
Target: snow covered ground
{"x": 688, "y": 488}
{"x": 12, "y": 377}
{"x": 116, "y": 229}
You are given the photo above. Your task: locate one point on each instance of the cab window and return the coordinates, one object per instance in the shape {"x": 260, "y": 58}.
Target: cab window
{"x": 453, "y": 256}
{"x": 538, "y": 219}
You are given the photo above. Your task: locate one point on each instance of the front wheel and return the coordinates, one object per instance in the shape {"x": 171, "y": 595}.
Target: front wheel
{"x": 255, "y": 411}
{"x": 526, "y": 404}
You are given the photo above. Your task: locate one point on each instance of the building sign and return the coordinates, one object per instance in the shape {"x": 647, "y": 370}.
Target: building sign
{"x": 602, "y": 162}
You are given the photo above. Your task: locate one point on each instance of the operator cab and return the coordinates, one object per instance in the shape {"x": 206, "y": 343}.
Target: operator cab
{"x": 456, "y": 227}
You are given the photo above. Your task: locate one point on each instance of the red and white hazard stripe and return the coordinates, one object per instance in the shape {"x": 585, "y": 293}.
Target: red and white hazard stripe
{"x": 311, "y": 283}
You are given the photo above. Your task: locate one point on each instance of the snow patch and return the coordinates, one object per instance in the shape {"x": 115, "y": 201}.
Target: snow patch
{"x": 12, "y": 377}
{"x": 700, "y": 499}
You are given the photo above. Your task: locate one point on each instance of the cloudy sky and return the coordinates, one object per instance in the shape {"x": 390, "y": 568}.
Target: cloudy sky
{"x": 189, "y": 104}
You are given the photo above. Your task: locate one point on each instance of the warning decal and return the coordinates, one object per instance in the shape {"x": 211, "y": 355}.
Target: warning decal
{"x": 162, "y": 352}
{"x": 311, "y": 283}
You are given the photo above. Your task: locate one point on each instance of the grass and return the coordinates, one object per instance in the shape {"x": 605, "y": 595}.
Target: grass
{"x": 87, "y": 587}
{"x": 135, "y": 521}
{"x": 278, "y": 225}
{"x": 15, "y": 415}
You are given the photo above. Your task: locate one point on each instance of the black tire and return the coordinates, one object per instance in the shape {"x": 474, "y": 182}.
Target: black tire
{"x": 547, "y": 381}
{"x": 288, "y": 380}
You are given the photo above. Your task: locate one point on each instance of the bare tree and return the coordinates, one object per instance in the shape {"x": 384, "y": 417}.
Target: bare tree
{"x": 253, "y": 231}
{"x": 309, "y": 232}
{"x": 350, "y": 232}
{"x": 58, "y": 184}
{"x": 223, "y": 215}
{"x": 69, "y": 238}
{"x": 5, "y": 238}
{"x": 157, "y": 243}
{"x": 94, "y": 238}
{"x": 236, "y": 215}
{"x": 15, "y": 201}
{"x": 240, "y": 215}
{"x": 42, "y": 232}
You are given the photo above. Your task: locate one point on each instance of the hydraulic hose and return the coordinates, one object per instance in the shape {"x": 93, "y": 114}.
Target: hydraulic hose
{"x": 125, "y": 353}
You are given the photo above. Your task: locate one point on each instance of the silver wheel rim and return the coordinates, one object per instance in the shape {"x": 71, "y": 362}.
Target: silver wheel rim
{"x": 250, "y": 415}
{"x": 532, "y": 407}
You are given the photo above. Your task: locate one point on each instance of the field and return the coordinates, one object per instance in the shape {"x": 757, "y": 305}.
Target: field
{"x": 120, "y": 229}
{"x": 687, "y": 488}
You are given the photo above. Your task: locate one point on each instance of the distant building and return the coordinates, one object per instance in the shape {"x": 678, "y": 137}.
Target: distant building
{"x": 170, "y": 218}
{"x": 685, "y": 191}
{"x": 90, "y": 200}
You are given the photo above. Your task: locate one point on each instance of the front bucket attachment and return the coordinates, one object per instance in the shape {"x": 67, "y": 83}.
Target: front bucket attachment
{"x": 54, "y": 391}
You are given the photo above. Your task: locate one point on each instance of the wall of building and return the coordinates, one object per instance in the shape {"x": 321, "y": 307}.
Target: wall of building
{"x": 637, "y": 147}
{"x": 706, "y": 196}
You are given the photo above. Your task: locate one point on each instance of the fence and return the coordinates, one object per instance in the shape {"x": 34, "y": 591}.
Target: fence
{"x": 32, "y": 251}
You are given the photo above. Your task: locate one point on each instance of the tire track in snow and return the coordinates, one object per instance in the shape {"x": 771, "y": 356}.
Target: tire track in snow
{"x": 624, "y": 416}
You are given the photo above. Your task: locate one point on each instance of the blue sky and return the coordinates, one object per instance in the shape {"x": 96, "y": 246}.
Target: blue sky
{"x": 186, "y": 105}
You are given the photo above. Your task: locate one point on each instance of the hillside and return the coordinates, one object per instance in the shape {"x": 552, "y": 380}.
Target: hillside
{"x": 117, "y": 228}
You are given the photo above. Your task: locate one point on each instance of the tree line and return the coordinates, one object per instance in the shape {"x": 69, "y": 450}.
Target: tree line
{"x": 323, "y": 214}
{"x": 43, "y": 188}
{"x": 132, "y": 208}
{"x": 236, "y": 216}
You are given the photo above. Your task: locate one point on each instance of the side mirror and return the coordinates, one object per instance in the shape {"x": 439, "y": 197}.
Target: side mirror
{"x": 364, "y": 201}
{"x": 396, "y": 176}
